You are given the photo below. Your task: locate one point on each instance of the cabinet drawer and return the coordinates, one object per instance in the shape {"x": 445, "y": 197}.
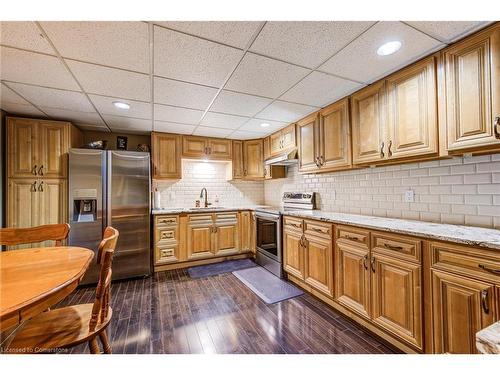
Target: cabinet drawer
{"x": 402, "y": 247}
{"x": 200, "y": 218}
{"x": 468, "y": 261}
{"x": 169, "y": 234}
{"x": 318, "y": 229}
{"x": 165, "y": 253}
{"x": 226, "y": 217}
{"x": 293, "y": 224}
{"x": 166, "y": 221}
{"x": 353, "y": 235}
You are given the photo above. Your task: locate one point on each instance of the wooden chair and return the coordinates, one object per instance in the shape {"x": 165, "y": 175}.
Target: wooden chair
{"x": 21, "y": 236}
{"x": 68, "y": 326}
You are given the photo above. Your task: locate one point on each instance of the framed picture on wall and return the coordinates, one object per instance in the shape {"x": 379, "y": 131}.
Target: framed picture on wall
{"x": 121, "y": 143}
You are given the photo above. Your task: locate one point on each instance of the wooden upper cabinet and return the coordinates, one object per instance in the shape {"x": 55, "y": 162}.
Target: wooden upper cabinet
{"x": 275, "y": 143}
{"x": 412, "y": 127}
{"x": 369, "y": 120}
{"x": 238, "y": 168}
{"x": 166, "y": 156}
{"x": 267, "y": 148}
{"x": 308, "y": 143}
{"x": 472, "y": 91}
{"x": 219, "y": 148}
{"x": 283, "y": 140}
{"x": 23, "y": 148}
{"x": 460, "y": 307}
{"x": 335, "y": 137}
{"x": 253, "y": 155}
{"x": 206, "y": 148}
{"x": 53, "y": 142}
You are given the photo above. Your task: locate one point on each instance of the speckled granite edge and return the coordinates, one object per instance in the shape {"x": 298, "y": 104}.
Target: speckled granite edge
{"x": 175, "y": 211}
{"x": 473, "y": 236}
{"x": 488, "y": 339}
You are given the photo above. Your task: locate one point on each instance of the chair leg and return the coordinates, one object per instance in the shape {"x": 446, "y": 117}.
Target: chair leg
{"x": 105, "y": 342}
{"x": 94, "y": 346}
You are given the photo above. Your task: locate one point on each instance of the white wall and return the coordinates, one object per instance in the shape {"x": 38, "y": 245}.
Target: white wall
{"x": 455, "y": 191}
{"x": 212, "y": 175}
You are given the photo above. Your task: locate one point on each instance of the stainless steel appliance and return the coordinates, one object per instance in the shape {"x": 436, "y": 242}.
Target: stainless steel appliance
{"x": 269, "y": 229}
{"x": 111, "y": 188}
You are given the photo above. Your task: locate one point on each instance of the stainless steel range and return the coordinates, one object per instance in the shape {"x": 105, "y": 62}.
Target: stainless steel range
{"x": 269, "y": 229}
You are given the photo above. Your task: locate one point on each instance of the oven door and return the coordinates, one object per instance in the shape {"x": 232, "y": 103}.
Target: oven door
{"x": 268, "y": 228}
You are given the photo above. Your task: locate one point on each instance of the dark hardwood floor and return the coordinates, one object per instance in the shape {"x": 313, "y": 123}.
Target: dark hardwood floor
{"x": 172, "y": 313}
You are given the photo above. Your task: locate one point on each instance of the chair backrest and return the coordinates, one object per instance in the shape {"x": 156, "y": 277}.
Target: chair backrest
{"x": 104, "y": 258}
{"x": 20, "y": 236}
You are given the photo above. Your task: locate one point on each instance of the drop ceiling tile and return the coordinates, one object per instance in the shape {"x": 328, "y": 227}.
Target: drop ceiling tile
{"x": 9, "y": 96}
{"x": 285, "y": 112}
{"x": 97, "y": 79}
{"x": 254, "y": 125}
{"x": 448, "y": 31}
{"x": 25, "y": 35}
{"x": 239, "y": 104}
{"x": 119, "y": 44}
{"x": 212, "y": 132}
{"x": 187, "y": 58}
{"x": 34, "y": 68}
{"x": 319, "y": 89}
{"x": 263, "y": 76}
{"x": 242, "y": 135}
{"x": 219, "y": 120}
{"x": 21, "y": 109}
{"x": 173, "y": 127}
{"x": 168, "y": 91}
{"x": 236, "y": 34}
{"x": 177, "y": 114}
{"x": 90, "y": 118}
{"x": 306, "y": 43}
{"x": 54, "y": 98}
{"x": 127, "y": 123}
{"x": 90, "y": 127}
{"x": 359, "y": 60}
{"x": 104, "y": 105}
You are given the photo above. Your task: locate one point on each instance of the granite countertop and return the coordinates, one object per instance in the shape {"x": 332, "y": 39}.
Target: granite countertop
{"x": 183, "y": 210}
{"x": 488, "y": 339}
{"x": 475, "y": 236}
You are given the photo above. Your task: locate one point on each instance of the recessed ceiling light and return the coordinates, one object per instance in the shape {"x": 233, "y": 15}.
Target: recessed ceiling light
{"x": 389, "y": 48}
{"x": 121, "y": 105}
{"x": 264, "y": 124}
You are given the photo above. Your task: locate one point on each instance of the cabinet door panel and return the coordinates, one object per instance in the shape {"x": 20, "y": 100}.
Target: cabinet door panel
{"x": 199, "y": 236}
{"x": 253, "y": 159}
{"x": 219, "y": 149}
{"x": 318, "y": 265}
{"x": 334, "y": 136}
{"x": 275, "y": 143}
{"x": 397, "y": 298}
{"x": 267, "y": 148}
{"x": 352, "y": 287}
{"x": 226, "y": 233}
{"x": 368, "y": 124}
{"x": 461, "y": 307}
{"x": 22, "y": 205}
{"x": 52, "y": 203}
{"x": 472, "y": 85}
{"x": 53, "y": 141}
{"x": 237, "y": 159}
{"x": 308, "y": 144}
{"x": 194, "y": 147}
{"x": 22, "y": 147}
{"x": 245, "y": 228}
{"x": 293, "y": 254}
{"x": 288, "y": 137}
{"x": 412, "y": 111}
{"x": 166, "y": 156}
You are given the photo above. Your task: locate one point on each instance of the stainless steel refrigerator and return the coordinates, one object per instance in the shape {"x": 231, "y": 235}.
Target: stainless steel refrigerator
{"x": 111, "y": 188}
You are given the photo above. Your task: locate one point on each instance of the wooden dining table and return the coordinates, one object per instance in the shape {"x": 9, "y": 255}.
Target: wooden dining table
{"x": 32, "y": 280}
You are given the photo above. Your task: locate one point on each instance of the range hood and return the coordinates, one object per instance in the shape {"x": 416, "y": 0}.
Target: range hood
{"x": 287, "y": 158}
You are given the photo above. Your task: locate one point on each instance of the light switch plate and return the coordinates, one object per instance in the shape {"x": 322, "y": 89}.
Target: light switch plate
{"x": 409, "y": 196}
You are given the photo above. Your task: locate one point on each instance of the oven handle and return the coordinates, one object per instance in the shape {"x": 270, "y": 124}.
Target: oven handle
{"x": 271, "y": 217}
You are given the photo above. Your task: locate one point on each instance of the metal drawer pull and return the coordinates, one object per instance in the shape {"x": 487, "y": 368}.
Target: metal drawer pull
{"x": 352, "y": 238}
{"x": 365, "y": 262}
{"x": 496, "y": 127}
{"x": 389, "y": 152}
{"x": 488, "y": 269}
{"x": 166, "y": 253}
{"x": 40, "y": 187}
{"x": 167, "y": 235}
{"x": 40, "y": 171}
{"x": 295, "y": 225}
{"x": 33, "y": 187}
{"x": 168, "y": 221}
{"x": 382, "y": 150}
{"x": 320, "y": 230}
{"x": 484, "y": 301}
{"x": 392, "y": 247}
{"x": 321, "y": 160}
{"x": 33, "y": 170}
{"x": 372, "y": 263}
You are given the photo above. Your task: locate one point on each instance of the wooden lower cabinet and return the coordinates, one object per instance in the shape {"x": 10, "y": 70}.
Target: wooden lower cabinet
{"x": 166, "y": 239}
{"x": 226, "y": 234}
{"x": 352, "y": 285}
{"x": 461, "y": 307}
{"x": 293, "y": 253}
{"x": 318, "y": 263}
{"x": 200, "y": 229}
{"x": 396, "y": 293}
{"x": 247, "y": 231}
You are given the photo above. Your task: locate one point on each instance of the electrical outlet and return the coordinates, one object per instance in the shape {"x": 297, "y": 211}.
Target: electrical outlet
{"x": 409, "y": 196}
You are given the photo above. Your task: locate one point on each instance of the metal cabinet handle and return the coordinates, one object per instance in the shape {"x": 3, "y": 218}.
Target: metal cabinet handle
{"x": 488, "y": 269}
{"x": 382, "y": 150}
{"x": 316, "y": 161}
{"x": 320, "y": 230}
{"x": 40, "y": 187}
{"x": 295, "y": 225}
{"x": 389, "y": 152}
{"x": 372, "y": 264}
{"x": 352, "y": 238}
{"x": 496, "y": 127}
{"x": 33, "y": 170}
{"x": 484, "y": 301}
{"x": 40, "y": 171}
{"x": 365, "y": 262}
{"x": 392, "y": 247}
{"x": 321, "y": 160}
{"x": 33, "y": 187}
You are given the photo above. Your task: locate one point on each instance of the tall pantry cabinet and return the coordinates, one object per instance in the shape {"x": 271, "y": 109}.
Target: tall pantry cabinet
{"x": 37, "y": 170}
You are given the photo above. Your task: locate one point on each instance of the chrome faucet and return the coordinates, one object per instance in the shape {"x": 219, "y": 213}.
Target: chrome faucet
{"x": 206, "y": 197}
